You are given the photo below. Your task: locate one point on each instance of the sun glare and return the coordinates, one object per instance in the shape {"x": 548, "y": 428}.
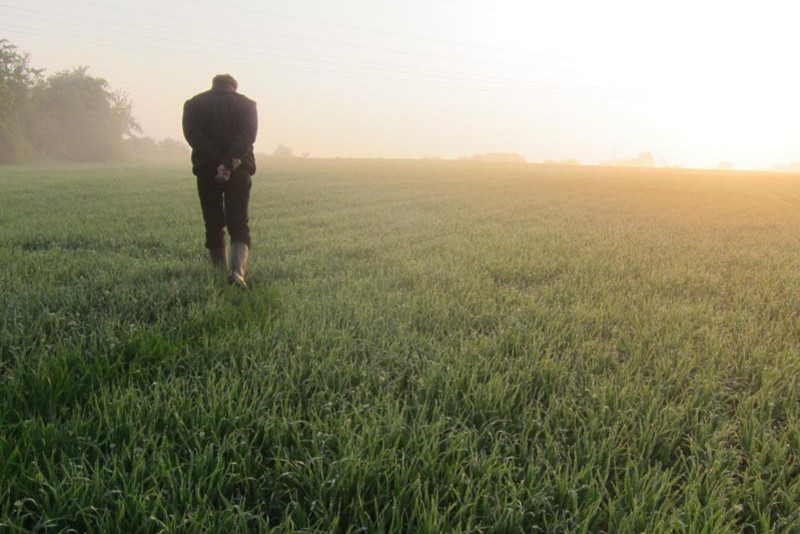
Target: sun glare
{"x": 691, "y": 81}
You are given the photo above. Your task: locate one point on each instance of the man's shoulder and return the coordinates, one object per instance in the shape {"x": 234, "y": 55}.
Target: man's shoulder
{"x": 199, "y": 97}
{"x": 241, "y": 98}
{"x": 197, "y": 100}
{"x": 203, "y": 100}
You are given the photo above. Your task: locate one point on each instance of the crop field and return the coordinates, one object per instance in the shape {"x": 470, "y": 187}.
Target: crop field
{"x": 427, "y": 347}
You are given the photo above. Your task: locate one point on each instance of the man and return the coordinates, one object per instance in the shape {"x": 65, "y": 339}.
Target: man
{"x": 221, "y": 125}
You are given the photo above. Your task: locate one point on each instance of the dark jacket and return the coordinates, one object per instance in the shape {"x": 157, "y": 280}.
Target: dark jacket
{"x": 220, "y": 125}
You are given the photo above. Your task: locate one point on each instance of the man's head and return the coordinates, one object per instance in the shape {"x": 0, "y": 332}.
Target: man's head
{"x": 224, "y": 81}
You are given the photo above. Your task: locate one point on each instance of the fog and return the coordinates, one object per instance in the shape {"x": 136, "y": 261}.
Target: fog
{"x": 593, "y": 82}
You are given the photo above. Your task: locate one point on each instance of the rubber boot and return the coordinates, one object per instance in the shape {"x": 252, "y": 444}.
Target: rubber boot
{"x": 219, "y": 257}
{"x": 240, "y": 253}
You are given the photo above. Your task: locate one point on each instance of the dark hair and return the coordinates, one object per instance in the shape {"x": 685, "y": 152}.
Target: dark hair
{"x": 224, "y": 81}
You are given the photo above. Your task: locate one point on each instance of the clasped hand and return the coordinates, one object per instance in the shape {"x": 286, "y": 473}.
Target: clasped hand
{"x": 224, "y": 173}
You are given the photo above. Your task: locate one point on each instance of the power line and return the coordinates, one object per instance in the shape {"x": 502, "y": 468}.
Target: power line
{"x": 320, "y": 62}
{"x": 405, "y": 36}
{"x": 59, "y": 18}
{"x": 360, "y": 76}
{"x": 365, "y": 72}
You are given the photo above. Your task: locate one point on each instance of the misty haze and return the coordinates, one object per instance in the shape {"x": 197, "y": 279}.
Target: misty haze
{"x": 406, "y": 267}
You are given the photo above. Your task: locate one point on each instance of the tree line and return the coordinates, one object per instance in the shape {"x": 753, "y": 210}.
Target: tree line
{"x": 67, "y": 116}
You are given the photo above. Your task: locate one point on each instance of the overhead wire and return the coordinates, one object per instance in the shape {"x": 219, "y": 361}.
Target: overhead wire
{"x": 404, "y": 36}
{"x": 61, "y": 16}
{"x": 366, "y": 69}
{"x": 489, "y": 88}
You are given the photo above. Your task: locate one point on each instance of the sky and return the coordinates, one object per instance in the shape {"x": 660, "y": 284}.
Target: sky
{"x": 694, "y": 82}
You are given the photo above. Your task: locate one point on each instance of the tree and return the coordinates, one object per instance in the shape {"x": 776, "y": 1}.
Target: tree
{"x": 80, "y": 118}
{"x": 645, "y": 159}
{"x": 17, "y": 79}
{"x": 173, "y": 150}
{"x": 282, "y": 151}
{"x": 147, "y": 149}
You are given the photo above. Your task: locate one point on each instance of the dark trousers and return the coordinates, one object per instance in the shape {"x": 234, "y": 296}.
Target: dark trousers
{"x": 225, "y": 205}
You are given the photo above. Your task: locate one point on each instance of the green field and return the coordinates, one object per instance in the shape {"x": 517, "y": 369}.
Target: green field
{"x": 428, "y": 347}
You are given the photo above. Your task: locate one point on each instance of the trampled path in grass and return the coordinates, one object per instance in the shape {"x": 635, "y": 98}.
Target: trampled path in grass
{"x": 428, "y": 347}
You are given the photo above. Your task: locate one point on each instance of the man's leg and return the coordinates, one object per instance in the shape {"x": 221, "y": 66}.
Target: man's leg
{"x": 237, "y": 201}
{"x": 211, "y": 203}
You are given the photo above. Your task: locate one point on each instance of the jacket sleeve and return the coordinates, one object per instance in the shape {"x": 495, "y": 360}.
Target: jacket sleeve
{"x": 196, "y": 138}
{"x": 246, "y": 135}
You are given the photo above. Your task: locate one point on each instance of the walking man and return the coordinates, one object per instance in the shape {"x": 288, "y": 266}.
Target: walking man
{"x": 221, "y": 125}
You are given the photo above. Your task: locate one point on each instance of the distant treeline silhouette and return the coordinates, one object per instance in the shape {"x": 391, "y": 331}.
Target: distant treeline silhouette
{"x": 507, "y": 157}
{"x": 147, "y": 149}
{"x": 644, "y": 159}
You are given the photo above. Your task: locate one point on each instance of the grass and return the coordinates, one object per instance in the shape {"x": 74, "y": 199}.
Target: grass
{"x": 428, "y": 347}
